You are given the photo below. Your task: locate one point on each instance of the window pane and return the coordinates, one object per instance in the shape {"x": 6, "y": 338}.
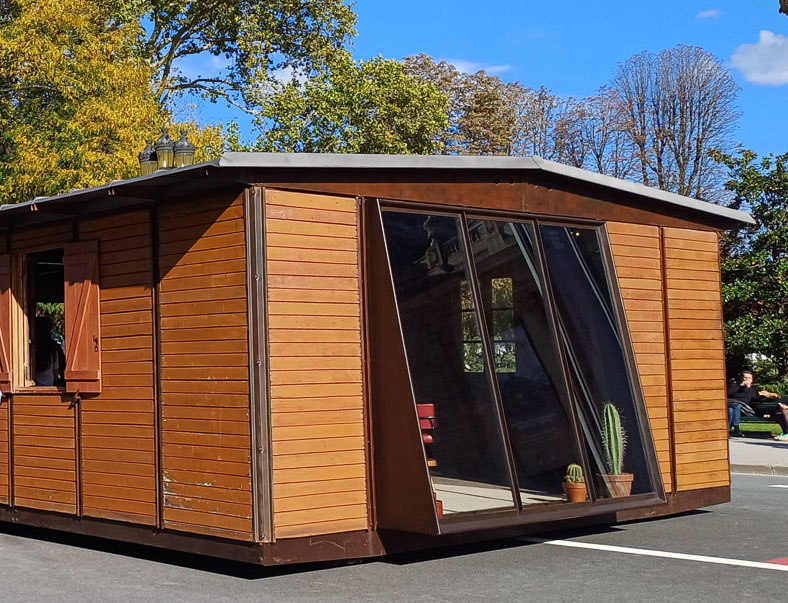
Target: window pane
{"x": 539, "y": 420}
{"x": 46, "y": 318}
{"x": 463, "y": 443}
{"x": 594, "y": 346}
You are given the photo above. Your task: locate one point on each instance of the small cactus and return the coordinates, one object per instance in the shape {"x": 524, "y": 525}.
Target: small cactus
{"x": 574, "y": 474}
{"x": 614, "y": 439}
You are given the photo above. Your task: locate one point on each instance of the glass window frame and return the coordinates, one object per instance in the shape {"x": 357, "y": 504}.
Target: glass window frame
{"x": 625, "y": 338}
{"x": 594, "y": 505}
{"x": 21, "y": 289}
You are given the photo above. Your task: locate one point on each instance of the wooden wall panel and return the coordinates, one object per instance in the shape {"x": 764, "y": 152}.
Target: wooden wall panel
{"x": 44, "y": 424}
{"x": 45, "y": 460}
{"x": 118, "y": 426}
{"x": 206, "y": 440}
{"x": 694, "y": 308}
{"x": 319, "y": 466}
{"x": 5, "y": 456}
{"x": 638, "y": 258}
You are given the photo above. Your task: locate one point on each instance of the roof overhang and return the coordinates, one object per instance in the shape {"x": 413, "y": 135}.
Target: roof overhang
{"x": 234, "y": 169}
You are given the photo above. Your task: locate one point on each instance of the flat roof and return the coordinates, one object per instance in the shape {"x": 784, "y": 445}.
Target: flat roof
{"x": 230, "y": 162}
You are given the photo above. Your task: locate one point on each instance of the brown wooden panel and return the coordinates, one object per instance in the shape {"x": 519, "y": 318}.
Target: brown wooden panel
{"x": 45, "y": 475}
{"x": 697, "y": 358}
{"x": 638, "y": 259}
{"x": 205, "y": 430}
{"x": 315, "y": 347}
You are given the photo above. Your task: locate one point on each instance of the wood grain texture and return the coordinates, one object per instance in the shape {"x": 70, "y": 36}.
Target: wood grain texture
{"x": 205, "y": 429}
{"x": 45, "y": 459}
{"x": 118, "y": 449}
{"x": 638, "y": 258}
{"x": 695, "y": 334}
{"x": 314, "y": 309}
{"x": 5, "y": 480}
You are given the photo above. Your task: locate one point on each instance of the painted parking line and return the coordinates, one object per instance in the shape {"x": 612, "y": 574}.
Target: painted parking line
{"x": 777, "y": 486}
{"x": 770, "y": 565}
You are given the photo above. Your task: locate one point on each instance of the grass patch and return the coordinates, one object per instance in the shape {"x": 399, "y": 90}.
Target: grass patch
{"x": 758, "y": 425}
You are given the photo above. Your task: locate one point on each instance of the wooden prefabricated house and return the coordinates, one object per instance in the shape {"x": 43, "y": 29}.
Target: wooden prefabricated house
{"x": 286, "y": 358}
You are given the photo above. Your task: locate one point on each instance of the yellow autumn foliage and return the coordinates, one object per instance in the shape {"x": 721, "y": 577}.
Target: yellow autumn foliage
{"x": 76, "y": 103}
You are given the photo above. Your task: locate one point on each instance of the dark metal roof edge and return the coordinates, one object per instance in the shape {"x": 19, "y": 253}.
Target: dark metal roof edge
{"x": 398, "y": 162}
{"x": 115, "y": 184}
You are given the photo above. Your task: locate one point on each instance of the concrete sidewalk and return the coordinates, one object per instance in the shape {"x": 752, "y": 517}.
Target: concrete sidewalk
{"x": 757, "y": 455}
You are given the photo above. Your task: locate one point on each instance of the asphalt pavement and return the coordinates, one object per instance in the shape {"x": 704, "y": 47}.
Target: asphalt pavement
{"x": 699, "y": 556}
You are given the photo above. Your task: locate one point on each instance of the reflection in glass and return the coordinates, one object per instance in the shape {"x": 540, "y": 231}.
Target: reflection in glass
{"x": 466, "y": 454}
{"x": 595, "y": 351}
{"x": 528, "y": 366}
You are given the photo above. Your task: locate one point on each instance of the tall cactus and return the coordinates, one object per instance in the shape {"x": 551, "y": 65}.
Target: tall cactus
{"x": 614, "y": 439}
{"x": 574, "y": 474}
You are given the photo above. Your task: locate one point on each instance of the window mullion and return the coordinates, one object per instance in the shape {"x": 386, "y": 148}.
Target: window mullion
{"x": 564, "y": 386}
{"x": 490, "y": 360}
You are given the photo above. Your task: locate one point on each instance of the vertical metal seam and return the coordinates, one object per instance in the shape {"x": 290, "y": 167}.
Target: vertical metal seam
{"x": 268, "y": 480}
{"x": 253, "y": 354}
{"x": 490, "y": 358}
{"x": 668, "y": 365}
{"x": 156, "y": 344}
{"x": 366, "y": 408}
{"x": 259, "y": 409}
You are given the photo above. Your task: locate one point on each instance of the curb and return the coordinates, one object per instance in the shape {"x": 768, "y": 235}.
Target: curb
{"x": 760, "y": 469}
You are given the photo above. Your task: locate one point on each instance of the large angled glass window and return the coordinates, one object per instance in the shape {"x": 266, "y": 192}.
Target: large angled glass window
{"x": 528, "y": 367}
{"x": 451, "y": 378}
{"x": 596, "y": 353}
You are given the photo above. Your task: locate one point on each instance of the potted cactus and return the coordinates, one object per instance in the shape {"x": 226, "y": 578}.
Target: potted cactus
{"x": 614, "y": 444}
{"x": 575, "y": 484}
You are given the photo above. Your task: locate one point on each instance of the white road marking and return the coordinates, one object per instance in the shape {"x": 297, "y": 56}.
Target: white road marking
{"x": 665, "y": 554}
{"x": 777, "y": 486}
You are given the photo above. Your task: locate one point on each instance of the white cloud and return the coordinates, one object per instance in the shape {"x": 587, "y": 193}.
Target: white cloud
{"x": 712, "y": 13}
{"x": 765, "y": 62}
{"x": 464, "y": 66}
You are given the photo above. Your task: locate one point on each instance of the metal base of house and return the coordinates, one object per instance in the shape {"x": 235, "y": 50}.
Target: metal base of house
{"x": 342, "y": 546}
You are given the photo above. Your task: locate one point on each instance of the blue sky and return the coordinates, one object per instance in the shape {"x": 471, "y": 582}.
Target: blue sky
{"x": 573, "y": 47}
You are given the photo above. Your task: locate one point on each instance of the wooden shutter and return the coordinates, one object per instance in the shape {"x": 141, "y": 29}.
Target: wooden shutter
{"x": 6, "y": 338}
{"x": 83, "y": 334}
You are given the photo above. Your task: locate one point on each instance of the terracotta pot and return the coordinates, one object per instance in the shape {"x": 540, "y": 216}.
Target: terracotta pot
{"x": 575, "y": 492}
{"x": 618, "y": 485}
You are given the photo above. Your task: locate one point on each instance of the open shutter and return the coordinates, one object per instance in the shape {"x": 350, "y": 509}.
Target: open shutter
{"x": 5, "y": 325}
{"x": 83, "y": 335}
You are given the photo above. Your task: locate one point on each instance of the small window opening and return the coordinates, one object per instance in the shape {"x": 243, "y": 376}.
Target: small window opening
{"x": 45, "y": 313}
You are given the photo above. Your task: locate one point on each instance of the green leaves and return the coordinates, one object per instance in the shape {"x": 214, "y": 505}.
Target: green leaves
{"x": 76, "y": 99}
{"x": 755, "y": 261}
{"x": 365, "y": 107}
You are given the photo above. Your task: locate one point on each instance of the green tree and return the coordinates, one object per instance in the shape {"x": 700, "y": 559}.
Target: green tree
{"x": 755, "y": 261}
{"x": 367, "y": 107}
{"x": 75, "y": 99}
{"x": 255, "y": 41}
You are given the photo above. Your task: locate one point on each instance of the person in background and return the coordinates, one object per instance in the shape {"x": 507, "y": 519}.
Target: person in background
{"x": 50, "y": 360}
{"x": 741, "y": 392}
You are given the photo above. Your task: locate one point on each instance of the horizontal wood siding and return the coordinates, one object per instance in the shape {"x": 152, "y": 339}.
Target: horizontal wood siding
{"x": 206, "y": 442}
{"x": 5, "y": 479}
{"x": 638, "y": 258}
{"x": 45, "y": 461}
{"x": 319, "y": 467}
{"x": 118, "y": 425}
{"x": 694, "y": 308}
{"x": 44, "y": 425}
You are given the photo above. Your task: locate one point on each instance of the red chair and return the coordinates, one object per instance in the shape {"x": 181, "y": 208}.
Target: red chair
{"x": 426, "y": 414}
